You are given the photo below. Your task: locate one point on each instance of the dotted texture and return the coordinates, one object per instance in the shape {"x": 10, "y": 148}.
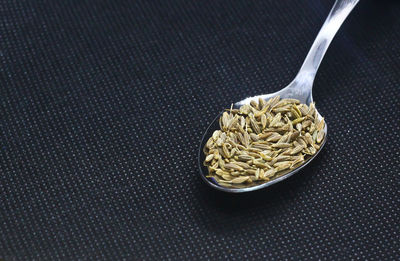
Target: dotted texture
{"x": 103, "y": 105}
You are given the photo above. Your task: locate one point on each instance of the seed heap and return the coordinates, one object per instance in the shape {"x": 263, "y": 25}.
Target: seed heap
{"x": 262, "y": 141}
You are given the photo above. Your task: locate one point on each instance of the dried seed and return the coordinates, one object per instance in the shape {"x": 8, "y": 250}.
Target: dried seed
{"x": 296, "y": 150}
{"x": 261, "y": 112}
{"x": 225, "y": 151}
{"x": 216, "y": 134}
{"x": 275, "y": 120}
{"x": 294, "y": 101}
{"x": 312, "y": 150}
{"x": 265, "y": 157}
{"x": 269, "y": 173}
{"x": 262, "y": 174}
{"x": 297, "y": 110}
{"x": 244, "y": 109}
{"x": 295, "y": 113}
{"x": 299, "y": 127}
{"x": 294, "y": 136}
{"x": 254, "y": 104}
{"x": 311, "y": 110}
{"x": 261, "y": 103}
{"x": 285, "y": 138}
{"x": 282, "y": 158}
{"x": 239, "y": 180}
{"x": 271, "y": 102}
{"x": 220, "y": 172}
{"x": 301, "y": 140}
{"x": 255, "y": 150}
{"x": 246, "y": 138}
{"x": 303, "y": 109}
{"x": 298, "y": 120}
{"x": 290, "y": 124}
{"x": 225, "y": 119}
{"x": 243, "y": 157}
{"x": 281, "y": 110}
{"x": 240, "y": 137}
{"x": 227, "y": 177}
{"x": 309, "y": 138}
{"x": 261, "y": 164}
{"x": 298, "y": 160}
{"x": 273, "y": 161}
{"x": 281, "y": 103}
{"x": 254, "y": 154}
{"x": 261, "y": 146}
{"x": 320, "y": 136}
{"x": 221, "y": 164}
{"x": 306, "y": 124}
{"x": 265, "y": 135}
{"x": 232, "y": 166}
{"x": 250, "y": 171}
{"x": 210, "y": 143}
{"x": 233, "y": 122}
{"x": 254, "y": 125}
{"x": 281, "y": 145}
{"x": 243, "y": 165}
{"x": 242, "y": 122}
{"x": 279, "y": 166}
{"x": 216, "y": 154}
{"x": 282, "y": 163}
{"x": 263, "y": 121}
{"x": 241, "y": 147}
{"x": 241, "y": 129}
{"x": 274, "y": 137}
{"x": 235, "y": 173}
{"x": 254, "y": 137}
{"x": 312, "y": 128}
{"x": 209, "y": 157}
{"x": 286, "y": 151}
{"x": 219, "y": 142}
{"x": 320, "y": 125}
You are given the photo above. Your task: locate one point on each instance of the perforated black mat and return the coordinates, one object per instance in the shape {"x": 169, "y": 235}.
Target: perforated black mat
{"x": 103, "y": 105}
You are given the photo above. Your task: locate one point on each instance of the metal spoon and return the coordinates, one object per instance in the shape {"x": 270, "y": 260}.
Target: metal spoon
{"x": 300, "y": 88}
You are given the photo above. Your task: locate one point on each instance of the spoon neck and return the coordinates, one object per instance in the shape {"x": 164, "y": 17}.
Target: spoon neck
{"x": 338, "y": 14}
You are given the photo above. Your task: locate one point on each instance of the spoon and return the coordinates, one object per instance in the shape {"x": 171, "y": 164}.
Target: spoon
{"x": 300, "y": 88}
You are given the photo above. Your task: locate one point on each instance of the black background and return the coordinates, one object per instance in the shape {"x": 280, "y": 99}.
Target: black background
{"x": 103, "y": 105}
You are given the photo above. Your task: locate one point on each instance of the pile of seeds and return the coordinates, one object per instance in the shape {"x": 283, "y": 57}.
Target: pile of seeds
{"x": 262, "y": 141}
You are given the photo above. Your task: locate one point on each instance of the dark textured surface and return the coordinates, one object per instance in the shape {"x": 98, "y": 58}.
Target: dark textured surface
{"x": 103, "y": 105}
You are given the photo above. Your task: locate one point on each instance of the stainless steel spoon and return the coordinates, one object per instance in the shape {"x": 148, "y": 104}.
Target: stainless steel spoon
{"x": 300, "y": 88}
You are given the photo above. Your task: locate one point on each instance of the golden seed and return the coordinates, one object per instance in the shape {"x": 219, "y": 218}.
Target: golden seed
{"x": 269, "y": 173}
{"x": 281, "y": 145}
{"x": 233, "y": 166}
{"x": 239, "y": 180}
{"x": 320, "y": 136}
{"x": 209, "y": 157}
{"x": 274, "y": 137}
{"x": 320, "y": 124}
{"x": 298, "y": 120}
{"x": 254, "y": 137}
{"x": 263, "y": 121}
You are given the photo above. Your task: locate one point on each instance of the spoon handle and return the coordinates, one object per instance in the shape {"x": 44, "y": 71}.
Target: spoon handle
{"x": 340, "y": 10}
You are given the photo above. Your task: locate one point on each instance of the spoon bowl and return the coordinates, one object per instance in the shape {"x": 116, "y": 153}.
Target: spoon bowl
{"x": 237, "y": 188}
{"x": 300, "y": 88}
